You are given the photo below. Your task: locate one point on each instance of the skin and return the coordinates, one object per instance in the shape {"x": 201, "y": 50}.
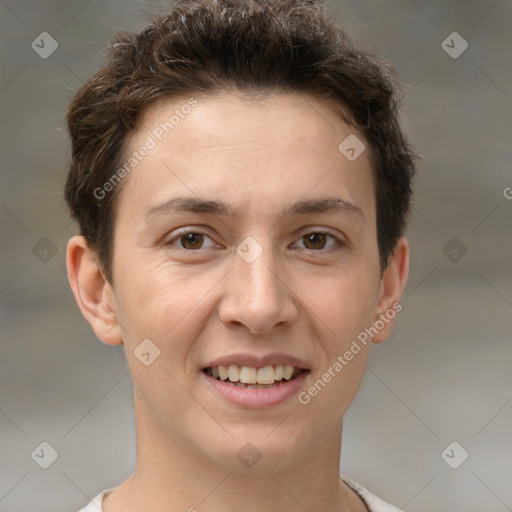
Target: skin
{"x": 200, "y": 300}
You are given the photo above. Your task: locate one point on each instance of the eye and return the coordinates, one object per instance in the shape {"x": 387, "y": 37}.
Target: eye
{"x": 317, "y": 240}
{"x": 191, "y": 240}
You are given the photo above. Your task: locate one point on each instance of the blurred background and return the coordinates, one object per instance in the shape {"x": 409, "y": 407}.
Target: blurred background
{"x": 430, "y": 430}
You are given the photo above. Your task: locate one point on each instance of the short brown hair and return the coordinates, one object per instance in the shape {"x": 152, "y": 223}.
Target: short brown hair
{"x": 254, "y": 47}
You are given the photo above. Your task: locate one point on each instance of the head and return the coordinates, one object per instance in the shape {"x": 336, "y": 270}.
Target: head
{"x": 202, "y": 156}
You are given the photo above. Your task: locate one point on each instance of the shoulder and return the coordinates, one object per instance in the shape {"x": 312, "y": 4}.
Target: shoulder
{"x": 374, "y": 503}
{"x": 96, "y": 504}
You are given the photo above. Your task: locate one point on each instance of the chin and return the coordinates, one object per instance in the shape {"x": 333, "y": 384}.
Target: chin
{"x": 256, "y": 452}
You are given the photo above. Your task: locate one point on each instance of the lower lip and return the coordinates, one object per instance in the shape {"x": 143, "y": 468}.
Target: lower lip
{"x": 257, "y": 398}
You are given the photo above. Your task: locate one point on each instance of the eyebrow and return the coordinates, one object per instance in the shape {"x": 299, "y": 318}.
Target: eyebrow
{"x": 198, "y": 205}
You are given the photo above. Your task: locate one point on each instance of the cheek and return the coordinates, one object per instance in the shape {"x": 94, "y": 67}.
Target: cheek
{"x": 343, "y": 309}
{"x": 337, "y": 383}
{"x": 343, "y": 305}
{"x": 152, "y": 293}
{"x": 167, "y": 310}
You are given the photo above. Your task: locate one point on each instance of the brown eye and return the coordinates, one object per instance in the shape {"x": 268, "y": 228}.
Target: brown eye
{"x": 192, "y": 240}
{"x": 317, "y": 240}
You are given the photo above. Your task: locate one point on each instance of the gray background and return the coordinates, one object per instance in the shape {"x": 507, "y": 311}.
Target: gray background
{"x": 444, "y": 375}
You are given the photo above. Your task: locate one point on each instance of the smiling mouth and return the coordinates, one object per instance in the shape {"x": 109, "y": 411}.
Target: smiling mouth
{"x": 254, "y": 378}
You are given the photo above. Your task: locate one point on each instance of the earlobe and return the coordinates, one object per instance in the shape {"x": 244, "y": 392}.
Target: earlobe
{"x": 93, "y": 293}
{"x": 392, "y": 286}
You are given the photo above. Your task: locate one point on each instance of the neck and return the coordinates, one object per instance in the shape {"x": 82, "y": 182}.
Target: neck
{"x": 171, "y": 476}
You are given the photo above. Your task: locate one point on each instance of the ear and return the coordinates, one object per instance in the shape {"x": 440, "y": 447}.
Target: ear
{"x": 392, "y": 285}
{"x": 93, "y": 293}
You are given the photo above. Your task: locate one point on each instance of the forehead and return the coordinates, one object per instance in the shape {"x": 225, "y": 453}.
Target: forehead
{"x": 294, "y": 117}
{"x": 223, "y": 145}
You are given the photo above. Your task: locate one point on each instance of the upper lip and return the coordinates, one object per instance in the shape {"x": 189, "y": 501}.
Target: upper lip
{"x": 258, "y": 361}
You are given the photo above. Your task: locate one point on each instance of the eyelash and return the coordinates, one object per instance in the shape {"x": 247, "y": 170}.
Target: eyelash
{"x": 339, "y": 243}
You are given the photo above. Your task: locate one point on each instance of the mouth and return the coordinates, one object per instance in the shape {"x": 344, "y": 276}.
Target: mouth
{"x": 251, "y": 377}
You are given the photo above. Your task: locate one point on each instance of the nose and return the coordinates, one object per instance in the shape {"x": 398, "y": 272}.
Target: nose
{"x": 258, "y": 296}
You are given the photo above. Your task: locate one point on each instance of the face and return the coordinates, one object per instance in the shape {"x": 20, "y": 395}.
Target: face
{"x": 245, "y": 243}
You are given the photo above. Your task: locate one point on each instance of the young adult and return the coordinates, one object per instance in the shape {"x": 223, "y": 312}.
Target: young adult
{"x": 241, "y": 186}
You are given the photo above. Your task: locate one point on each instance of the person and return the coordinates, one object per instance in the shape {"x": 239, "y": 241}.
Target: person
{"x": 241, "y": 184}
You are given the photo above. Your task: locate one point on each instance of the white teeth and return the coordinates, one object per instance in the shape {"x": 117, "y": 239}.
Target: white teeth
{"x": 288, "y": 372}
{"x": 266, "y": 375}
{"x": 249, "y": 375}
{"x": 233, "y": 373}
{"x": 255, "y": 377}
{"x": 223, "y": 372}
